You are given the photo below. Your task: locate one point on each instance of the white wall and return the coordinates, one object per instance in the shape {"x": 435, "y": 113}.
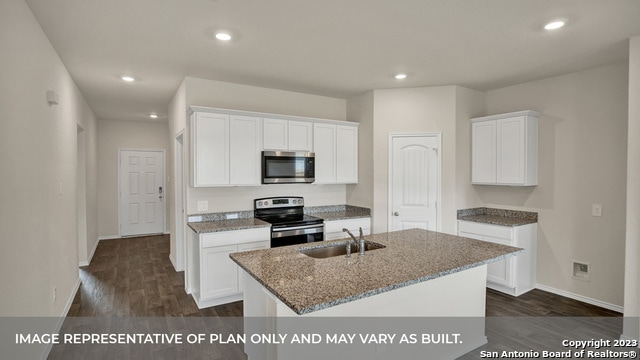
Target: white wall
{"x": 112, "y": 136}
{"x": 428, "y": 109}
{"x": 360, "y": 109}
{"x": 582, "y": 160}
{"x": 469, "y": 104}
{"x": 38, "y": 158}
{"x": 632, "y": 259}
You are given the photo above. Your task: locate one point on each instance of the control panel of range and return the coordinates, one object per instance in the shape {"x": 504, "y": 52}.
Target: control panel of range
{"x": 278, "y": 202}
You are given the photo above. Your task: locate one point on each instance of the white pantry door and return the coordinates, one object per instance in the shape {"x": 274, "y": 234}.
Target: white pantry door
{"x": 414, "y": 179}
{"x": 141, "y": 209}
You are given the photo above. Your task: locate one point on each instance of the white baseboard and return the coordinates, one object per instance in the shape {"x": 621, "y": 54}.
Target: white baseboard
{"x": 108, "y": 237}
{"x": 584, "y": 299}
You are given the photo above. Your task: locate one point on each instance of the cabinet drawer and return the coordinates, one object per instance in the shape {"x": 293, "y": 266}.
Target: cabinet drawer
{"x": 496, "y": 231}
{"x": 235, "y": 237}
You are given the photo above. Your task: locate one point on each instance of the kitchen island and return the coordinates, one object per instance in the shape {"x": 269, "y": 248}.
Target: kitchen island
{"x": 418, "y": 273}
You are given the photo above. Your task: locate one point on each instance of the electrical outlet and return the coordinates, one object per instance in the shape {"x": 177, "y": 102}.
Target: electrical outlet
{"x": 596, "y": 209}
{"x": 203, "y": 205}
{"x": 232, "y": 216}
{"x": 581, "y": 271}
{"x": 55, "y": 294}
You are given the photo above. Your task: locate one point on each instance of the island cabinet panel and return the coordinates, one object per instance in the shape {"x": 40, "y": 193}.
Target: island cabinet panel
{"x": 515, "y": 275}
{"x": 212, "y": 277}
{"x": 333, "y": 229}
{"x": 504, "y": 149}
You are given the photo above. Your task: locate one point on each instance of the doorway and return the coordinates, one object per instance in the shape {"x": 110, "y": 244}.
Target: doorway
{"x": 141, "y": 188}
{"x": 414, "y": 181}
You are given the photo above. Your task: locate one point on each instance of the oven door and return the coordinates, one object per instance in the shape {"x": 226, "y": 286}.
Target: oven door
{"x": 285, "y": 167}
{"x": 293, "y": 235}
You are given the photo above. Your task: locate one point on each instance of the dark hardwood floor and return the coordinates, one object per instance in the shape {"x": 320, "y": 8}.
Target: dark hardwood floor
{"x": 134, "y": 277}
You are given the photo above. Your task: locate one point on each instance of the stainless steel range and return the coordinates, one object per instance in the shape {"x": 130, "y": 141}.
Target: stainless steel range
{"x": 289, "y": 224}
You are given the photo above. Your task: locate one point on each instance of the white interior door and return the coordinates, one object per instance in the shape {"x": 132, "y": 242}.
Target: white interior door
{"x": 142, "y": 192}
{"x": 414, "y": 182}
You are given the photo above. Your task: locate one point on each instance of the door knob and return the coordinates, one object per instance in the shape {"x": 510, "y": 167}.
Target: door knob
{"x": 396, "y": 214}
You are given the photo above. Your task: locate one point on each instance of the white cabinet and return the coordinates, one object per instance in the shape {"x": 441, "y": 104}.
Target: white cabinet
{"x": 324, "y": 146}
{"x": 336, "y": 149}
{"x": 504, "y": 149}
{"x": 333, "y": 229}
{"x": 225, "y": 149}
{"x": 514, "y": 275}
{"x": 245, "y": 148}
{"x": 212, "y": 277}
{"x": 287, "y": 135}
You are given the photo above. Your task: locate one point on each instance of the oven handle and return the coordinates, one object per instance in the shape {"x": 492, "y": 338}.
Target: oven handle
{"x": 297, "y": 230}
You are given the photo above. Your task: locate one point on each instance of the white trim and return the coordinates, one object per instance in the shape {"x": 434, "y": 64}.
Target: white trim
{"x": 438, "y": 136}
{"x": 86, "y": 263}
{"x": 108, "y": 237}
{"x": 584, "y": 299}
{"x": 179, "y": 202}
{"x": 172, "y": 261}
{"x": 194, "y": 108}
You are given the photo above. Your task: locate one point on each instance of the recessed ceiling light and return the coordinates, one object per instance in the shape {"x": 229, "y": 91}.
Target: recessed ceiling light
{"x": 223, "y": 36}
{"x": 400, "y": 76}
{"x": 128, "y": 78}
{"x": 553, "y": 25}
{"x": 153, "y": 116}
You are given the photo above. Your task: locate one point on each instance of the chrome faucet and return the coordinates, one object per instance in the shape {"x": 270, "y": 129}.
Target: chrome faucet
{"x": 359, "y": 243}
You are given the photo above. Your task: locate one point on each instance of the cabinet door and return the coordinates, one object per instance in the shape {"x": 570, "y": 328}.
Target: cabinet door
{"x": 219, "y": 272}
{"x": 511, "y": 151}
{"x": 276, "y": 134}
{"x": 300, "y": 136}
{"x": 259, "y": 245}
{"x": 244, "y": 150}
{"x": 324, "y": 145}
{"x": 209, "y": 149}
{"x": 483, "y": 152}
{"x": 346, "y": 154}
{"x": 500, "y": 272}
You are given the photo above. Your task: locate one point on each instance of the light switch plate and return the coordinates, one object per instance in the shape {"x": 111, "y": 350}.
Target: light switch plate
{"x": 596, "y": 210}
{"x": 203, "y": 205}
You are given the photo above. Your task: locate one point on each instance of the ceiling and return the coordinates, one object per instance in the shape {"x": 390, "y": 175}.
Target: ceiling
{"x": 334, "y": 48}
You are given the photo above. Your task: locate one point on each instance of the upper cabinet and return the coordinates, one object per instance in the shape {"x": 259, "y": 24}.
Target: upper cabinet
{"x": 225, "y": 149}
{"x": 226, "y": 146}
{"x": 336, "y": 149}
{"x": 287, "y": 135}
{"x": 504, "y": 149}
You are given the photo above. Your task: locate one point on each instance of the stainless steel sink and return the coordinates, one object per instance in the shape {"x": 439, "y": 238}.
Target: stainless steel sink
{"x": 338, "y": 249}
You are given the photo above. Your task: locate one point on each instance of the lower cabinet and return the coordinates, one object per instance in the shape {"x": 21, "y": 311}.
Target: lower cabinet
{"x": 333, "y": 229}
{"x": 515, "y": 275}
{"x": 212, "y": 277}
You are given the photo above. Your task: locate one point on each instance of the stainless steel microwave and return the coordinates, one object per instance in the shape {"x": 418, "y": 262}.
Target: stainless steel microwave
{"x": 288, "y": 167}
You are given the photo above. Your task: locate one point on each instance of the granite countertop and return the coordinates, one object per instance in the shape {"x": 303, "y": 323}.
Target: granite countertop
{"x": 500, "y": 217}
{"x": 202, "y": 227}
{"x": 338, "y": 212}
{"x": 214, "y": 222}
{"x": 307, "y": 284}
